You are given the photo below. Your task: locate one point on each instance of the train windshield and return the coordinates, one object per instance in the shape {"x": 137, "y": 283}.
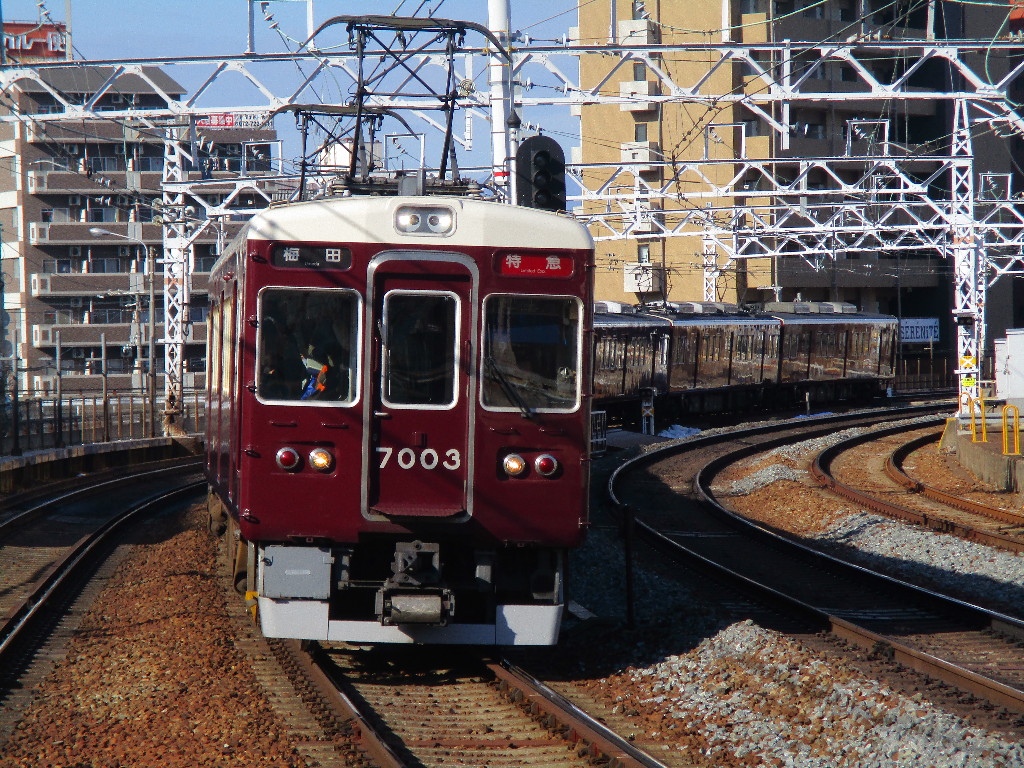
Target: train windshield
{"x": 422, "y": 339}
{"x": 307, "y": 340}
{"x": 531, "y": 354}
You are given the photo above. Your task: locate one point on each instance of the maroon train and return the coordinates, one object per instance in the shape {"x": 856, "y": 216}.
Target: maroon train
{"x": 399, "y": 417}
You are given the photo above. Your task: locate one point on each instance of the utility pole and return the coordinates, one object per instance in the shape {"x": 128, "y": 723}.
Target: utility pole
{"x": 499, "y": 73}
{"x": 3, "y": 38}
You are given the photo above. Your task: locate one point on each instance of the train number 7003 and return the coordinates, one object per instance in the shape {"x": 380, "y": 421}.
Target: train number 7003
{"x": 428, "y": 458}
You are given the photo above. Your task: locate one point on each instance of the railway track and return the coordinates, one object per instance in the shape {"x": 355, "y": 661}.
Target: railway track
{"x": 52, "y": 545}
{"x": 439, "y": 707}
{"x": 968, "y": 647}
{"x": 894, "y": 493}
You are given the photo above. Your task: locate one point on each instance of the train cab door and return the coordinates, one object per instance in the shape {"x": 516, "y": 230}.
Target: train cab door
{"x": 421, "y": 316}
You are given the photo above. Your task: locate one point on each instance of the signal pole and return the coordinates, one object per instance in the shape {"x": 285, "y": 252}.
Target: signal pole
{"x": 499, "y": 72}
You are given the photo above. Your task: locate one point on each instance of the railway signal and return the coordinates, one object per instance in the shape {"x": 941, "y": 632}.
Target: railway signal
{"x": 540, "y": 168}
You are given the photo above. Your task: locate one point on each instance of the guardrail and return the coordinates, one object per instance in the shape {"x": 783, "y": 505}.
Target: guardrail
{"x": 33, "y": 423}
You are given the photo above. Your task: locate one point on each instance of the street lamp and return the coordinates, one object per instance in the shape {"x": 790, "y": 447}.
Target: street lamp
{"x": 151, "y": 268}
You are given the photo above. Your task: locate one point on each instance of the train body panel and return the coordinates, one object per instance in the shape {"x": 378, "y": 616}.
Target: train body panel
{"x": 378, "y": 363}
{"x": 733, "y": 360}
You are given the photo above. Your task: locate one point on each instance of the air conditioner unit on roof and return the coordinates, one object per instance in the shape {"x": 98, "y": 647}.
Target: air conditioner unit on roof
{"x": 614, "y": 307}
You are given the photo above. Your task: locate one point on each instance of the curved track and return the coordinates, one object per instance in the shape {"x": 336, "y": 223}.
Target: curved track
{"x": 966, "y": 646}
{"x": 50, "y": 549}
{"x": 890, "y": 491}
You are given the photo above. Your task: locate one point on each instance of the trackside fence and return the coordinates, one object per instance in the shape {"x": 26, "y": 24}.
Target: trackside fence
{"x": 34, "y": 423}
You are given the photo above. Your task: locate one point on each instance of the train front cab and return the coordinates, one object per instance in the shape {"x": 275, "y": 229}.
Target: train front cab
{"x": 426, "y": 487}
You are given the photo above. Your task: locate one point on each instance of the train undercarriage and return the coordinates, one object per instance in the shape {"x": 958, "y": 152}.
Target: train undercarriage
{"x": 387, "y": 590}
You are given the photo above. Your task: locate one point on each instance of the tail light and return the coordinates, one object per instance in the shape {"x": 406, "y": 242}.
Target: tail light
{"x": 545, "y": 464}
{"x": 288, "y": 459}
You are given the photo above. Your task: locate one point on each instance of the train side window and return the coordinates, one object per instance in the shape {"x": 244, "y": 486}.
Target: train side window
{"x": 531, "y": 353}
{"x": 306, "y": 343}
{"x": 421, "y": 340}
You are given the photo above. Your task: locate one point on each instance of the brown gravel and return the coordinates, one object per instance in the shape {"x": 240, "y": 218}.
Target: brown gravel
{"x": 152, "y": 675}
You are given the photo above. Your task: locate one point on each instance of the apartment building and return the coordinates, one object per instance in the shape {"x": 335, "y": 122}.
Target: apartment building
{"x": 82, "y": 235}
{"x": 647, "y": 266}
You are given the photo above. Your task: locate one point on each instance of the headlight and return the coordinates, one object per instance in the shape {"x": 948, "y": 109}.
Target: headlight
{"x": 424, "y": 220}
{"x": 321, "y": 460}
{"x": 514, "y": 465}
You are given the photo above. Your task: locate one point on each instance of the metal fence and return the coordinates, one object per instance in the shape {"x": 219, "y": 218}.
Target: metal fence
{"x": 924, "y": 375}
{"x": 33, "y": 423}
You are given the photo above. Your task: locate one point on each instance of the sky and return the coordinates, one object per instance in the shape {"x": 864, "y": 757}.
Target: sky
{"x": 128, "y": 28}
{"x": 104, "y": 29}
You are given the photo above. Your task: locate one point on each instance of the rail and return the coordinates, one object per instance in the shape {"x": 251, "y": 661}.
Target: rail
{"x": 885, "y": 627}
{"x": 70, "y": 570}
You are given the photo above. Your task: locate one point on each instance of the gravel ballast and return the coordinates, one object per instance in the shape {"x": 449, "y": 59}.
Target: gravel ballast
{"x": 714, "y": 692}
{"x": 153, "y": 676}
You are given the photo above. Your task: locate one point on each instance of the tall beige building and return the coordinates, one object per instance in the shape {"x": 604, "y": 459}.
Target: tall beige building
{"x": 650, "y": 267}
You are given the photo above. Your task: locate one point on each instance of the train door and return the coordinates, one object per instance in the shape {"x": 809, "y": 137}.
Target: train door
{"x": 421, "y": 316}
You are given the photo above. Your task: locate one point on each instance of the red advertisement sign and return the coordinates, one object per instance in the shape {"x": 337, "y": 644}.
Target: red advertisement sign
{"x": 225, "y": 120}
{"x": 532, "y": 265}
{"x": 27, "y": 40}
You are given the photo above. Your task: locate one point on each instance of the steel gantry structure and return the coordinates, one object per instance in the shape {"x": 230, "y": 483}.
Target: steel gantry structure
{"x": 884, "y": 199}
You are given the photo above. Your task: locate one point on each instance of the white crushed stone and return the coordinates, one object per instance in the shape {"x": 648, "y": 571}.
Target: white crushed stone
{"x": 917, "y": 555}
{"x": 760, "y": 695}
{"x": 765, "y": 477}
{"x": 844, "y": 721}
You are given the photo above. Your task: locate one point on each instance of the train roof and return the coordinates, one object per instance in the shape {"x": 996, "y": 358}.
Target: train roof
{"x": 372, "y": 220}
{"x": 859, "y": 318}
{"x": 609, "y": 314}
{"x": 648, "y": 319}
{"x": 622, "y": 320}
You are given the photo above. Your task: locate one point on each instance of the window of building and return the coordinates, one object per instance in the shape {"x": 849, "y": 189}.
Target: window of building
{"x": 643, "y": 253}
{"x": 639, "y": 71}
{"x": 813, "y": 9}
{"x": 150, "y": 164}
{"x": 204, "y": 263}
{"x": 102, "y": 215}
{"x": 640, "y": 132}
{"x": 57, "y": 266}
{"x": 105, "y": 266}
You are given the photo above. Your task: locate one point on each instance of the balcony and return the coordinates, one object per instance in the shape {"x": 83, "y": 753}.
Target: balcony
{"x": 46, "y": 284}
{"x": 637, "y": 32}
{"x": 643, "y": 278}
{"x": 74, "y": 335}
{"x": 635, "y": 91}
{"x": 71, "y": 182}
{"x": 70, "y": 132}
{"x": 77, "y": 233}
{"x": 641, "y": 155}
